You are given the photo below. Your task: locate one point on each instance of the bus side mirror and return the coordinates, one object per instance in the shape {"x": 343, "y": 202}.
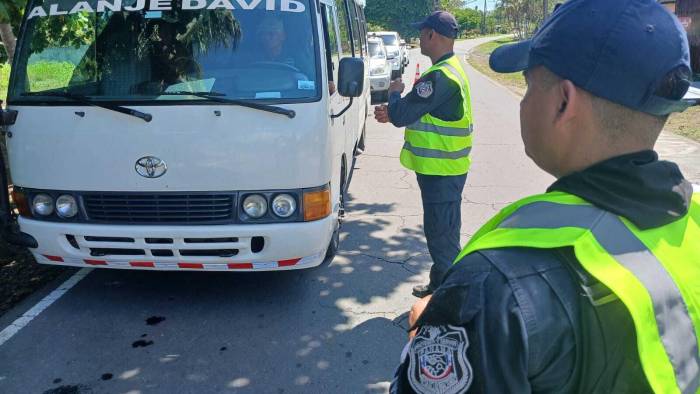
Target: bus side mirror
{"x": 351, "y": 77}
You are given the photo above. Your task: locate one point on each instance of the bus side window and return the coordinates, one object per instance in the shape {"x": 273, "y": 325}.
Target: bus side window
{"x": 356, "y": 32}
{"x": 344, "y": 28}
{"x": 330, "y": 36}
{"x": 363, "y": 29}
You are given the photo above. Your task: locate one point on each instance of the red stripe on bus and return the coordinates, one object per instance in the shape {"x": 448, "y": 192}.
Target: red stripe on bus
{"x": 95, "y": 262}
{"x": 190, "y": 265}
{"x": 143, "y": 264}
{"x": 288, "y": 263}
{"x": 240, "y": 266}
{"x": 53, "y": 258}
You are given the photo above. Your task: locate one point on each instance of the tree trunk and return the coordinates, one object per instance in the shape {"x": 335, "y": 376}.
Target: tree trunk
{"x": 8, "y": 39}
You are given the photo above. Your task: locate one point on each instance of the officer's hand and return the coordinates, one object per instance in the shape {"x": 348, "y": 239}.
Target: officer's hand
{"x": 381, "y": 113}
{"x": 415, "y": 312}
{"x": 396, "y": 86}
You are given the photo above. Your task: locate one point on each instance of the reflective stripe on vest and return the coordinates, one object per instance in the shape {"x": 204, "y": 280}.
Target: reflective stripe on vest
{"x": 657, "y": 284}
{"x": 437, "y": 147}
{"x": 435, "y": 153}
{"x": 442, "y": 130}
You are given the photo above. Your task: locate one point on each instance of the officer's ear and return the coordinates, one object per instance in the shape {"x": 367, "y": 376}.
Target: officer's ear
{"x": 568, "y": 100}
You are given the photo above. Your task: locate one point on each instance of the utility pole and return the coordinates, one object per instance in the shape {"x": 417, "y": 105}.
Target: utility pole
{"x": 436, "y": 5}
{"x": 483, "y": 22}
{"x": 545, "y": 8}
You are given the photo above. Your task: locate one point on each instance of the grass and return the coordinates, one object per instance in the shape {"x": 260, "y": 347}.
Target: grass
{"x": 479, "y": 59}
{"x": 4, "y": 79}
{"x": 49, "y": 75}
{"x": 686, "y": 123}
{"x": 42, "y": 76}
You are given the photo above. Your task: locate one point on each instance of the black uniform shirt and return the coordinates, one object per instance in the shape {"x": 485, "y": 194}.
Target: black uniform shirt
{"x": 515, "y": 320}
{"x": 434, "y": 93}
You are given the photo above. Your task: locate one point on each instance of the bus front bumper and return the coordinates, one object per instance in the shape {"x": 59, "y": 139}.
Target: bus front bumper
{"x": 257, "y": 247}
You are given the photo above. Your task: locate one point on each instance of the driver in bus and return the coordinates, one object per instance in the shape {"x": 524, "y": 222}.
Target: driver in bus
{"x": 275, "y": 47}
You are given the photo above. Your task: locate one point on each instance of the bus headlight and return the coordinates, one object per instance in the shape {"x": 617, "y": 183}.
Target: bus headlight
{"x": 284, "y": 205}
{"x": 255, "y": 206}
{"x": 43, "y": 204}
{"x": 66, "y": 206}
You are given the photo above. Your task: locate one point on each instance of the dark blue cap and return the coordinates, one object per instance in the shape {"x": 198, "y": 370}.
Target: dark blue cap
{"x": 620, "y": 50}
{"x": 442, "y": 22}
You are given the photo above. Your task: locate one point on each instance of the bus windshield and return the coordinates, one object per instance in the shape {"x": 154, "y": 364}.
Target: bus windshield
{"x": 139, "y": 50}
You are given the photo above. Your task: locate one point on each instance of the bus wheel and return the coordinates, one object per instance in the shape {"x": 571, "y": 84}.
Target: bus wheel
{"x": 333, "y": 246}
{"x": 360, "y": 148}
{"x": 335, "y": 238}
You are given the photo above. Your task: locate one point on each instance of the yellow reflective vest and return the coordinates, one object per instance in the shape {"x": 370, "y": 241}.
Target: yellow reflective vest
{"x": 436, "y": 147}
{"x": 654, "y": 272}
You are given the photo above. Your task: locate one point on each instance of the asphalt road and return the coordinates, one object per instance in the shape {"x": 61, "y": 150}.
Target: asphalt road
{"x": 335, "y": 329}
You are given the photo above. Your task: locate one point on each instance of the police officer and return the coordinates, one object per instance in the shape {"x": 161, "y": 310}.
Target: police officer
{"x": 437, "y": 115}
{"x": 592, "y": 286}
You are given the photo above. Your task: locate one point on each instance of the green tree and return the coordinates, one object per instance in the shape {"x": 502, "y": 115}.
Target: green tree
{"x": 524, "y": 16}
{"x": 468, "y": 19}
{"x": 397, "y": 15}
{"x": 10, "y": 18}
{"x": 451, "y": 6}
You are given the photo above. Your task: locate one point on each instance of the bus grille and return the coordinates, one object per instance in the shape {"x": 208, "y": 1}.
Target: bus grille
{"x": 160, "y": 208}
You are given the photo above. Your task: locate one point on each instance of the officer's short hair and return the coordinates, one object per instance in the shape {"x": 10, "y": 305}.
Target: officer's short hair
{"x": 620, "y": 122}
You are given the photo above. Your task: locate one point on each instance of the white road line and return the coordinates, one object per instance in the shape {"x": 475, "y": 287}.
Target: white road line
{"x": 22, "y": 321}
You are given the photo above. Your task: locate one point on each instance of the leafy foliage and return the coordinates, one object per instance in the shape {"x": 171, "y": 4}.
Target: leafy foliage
{"x": 397, "y": 15}
{"x": 62, "y": 31}
{"x": 468, "y": 19}
{"x": 524, "y": 16}
{"x": 11, "y": 11}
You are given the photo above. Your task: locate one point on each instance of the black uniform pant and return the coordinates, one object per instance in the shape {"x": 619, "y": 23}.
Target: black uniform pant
{"x": 442, "y": 220}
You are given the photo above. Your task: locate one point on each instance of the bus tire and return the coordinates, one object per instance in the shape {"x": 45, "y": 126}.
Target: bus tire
{"x": 360, "y": 148}
{"x": 334, "y": 243}
{"x": 332, "y": 246}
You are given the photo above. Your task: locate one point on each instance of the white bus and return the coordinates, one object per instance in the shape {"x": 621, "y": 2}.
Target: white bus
{"x": 185, "y": 134}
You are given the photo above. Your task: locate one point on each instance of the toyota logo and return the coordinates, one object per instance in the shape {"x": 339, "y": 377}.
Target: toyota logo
{"x": 150, "y": 167}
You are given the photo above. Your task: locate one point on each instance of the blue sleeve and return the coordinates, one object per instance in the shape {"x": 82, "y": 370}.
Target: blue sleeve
{"x": 483, "y": 333}
{"x": 429, "y": 93}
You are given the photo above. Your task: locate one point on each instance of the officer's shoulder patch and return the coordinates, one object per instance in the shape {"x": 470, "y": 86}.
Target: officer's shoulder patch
{"x": 424, "y": 89}
{"x": 438, "y": 360}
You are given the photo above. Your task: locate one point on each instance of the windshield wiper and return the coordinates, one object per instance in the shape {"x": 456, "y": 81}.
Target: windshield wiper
{"x": 221, "y": 98}
{"x": 86, "y": 100}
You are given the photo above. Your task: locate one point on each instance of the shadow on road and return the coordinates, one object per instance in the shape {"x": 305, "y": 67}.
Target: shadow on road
{"x": 325, "y": 330}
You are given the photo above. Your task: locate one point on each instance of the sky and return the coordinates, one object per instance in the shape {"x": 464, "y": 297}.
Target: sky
{"x": 489, "y": 3}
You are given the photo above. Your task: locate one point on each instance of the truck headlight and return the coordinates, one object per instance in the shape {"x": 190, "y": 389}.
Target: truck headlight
{"x": 43, "y": 204}
{"x": 284, "y": 205}
{"x": 66, "y": 206}
{"x": 255, "y": 206}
